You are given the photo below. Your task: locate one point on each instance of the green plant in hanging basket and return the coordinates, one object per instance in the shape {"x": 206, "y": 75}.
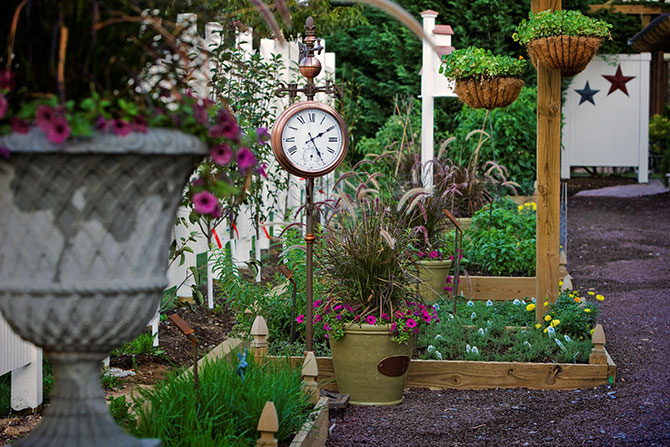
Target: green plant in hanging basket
{"x": 484, "y": 80}
{"x": 562, "y": 40}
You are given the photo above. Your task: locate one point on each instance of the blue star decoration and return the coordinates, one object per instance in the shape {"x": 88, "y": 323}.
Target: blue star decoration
{"x": 618, "y": 81}
{"x": 587, "y": 94}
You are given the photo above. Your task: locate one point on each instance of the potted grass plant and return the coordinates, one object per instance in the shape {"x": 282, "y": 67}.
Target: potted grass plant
{"x": 484, "y": 80}
{"x": 562, "y": 40}
{"x": 371, "y": 310}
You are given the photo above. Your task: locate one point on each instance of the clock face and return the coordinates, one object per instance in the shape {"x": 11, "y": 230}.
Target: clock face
{"x": 312, "y": 139}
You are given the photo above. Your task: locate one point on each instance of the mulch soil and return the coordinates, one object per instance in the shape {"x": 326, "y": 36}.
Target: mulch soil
{"x": 619, "y": 247}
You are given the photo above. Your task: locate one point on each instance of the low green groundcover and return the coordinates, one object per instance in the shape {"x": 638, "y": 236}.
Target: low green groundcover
{"x": 507, "y": 331}
{"x": 225, "y": 410}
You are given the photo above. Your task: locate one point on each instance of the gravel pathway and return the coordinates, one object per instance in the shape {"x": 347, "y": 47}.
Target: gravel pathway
{"x": 620, "y": 247}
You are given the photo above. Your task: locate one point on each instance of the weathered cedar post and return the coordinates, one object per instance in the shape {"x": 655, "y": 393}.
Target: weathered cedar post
{"x": 598, "y": 353}
{"x": 310, "y": 372}
{"x": 268, "y": 425}
{"x": 548, "y": 176}
{"x": 259, "y": 344}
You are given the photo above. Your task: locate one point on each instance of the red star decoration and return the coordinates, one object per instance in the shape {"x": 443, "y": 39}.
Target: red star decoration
{"x": 618, "y": 81}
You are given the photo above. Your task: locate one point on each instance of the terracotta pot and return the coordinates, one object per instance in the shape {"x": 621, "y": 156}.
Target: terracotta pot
{"x": 570, "y": 54}
{"x": 488, "y": 93}
{"x": 83, "y": 256}
{"x": 357, "y": 357}
{"x": 433, "y": 277}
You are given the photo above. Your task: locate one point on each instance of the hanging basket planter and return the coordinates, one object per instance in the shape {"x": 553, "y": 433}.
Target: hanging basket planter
{"x": 488, "y": 93}
{"x": 570, "y": 54}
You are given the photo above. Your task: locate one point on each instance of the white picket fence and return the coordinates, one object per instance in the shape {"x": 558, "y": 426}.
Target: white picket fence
{"x": 24, "y": 360}
{"x": 613, "y": 130}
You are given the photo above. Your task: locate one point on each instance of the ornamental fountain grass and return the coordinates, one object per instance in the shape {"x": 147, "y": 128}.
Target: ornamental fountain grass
{"x": 484, "y": 80}
{"x": 90, "y": 179}
{"x": 562, "y": 40}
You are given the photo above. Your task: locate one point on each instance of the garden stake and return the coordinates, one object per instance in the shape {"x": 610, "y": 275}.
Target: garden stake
{"x": 289, "y": 274}
{"x": 458, "y": 240}
{"x": 190, "y": 333}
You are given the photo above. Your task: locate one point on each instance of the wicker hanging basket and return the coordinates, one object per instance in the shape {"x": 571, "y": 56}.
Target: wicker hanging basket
{"x": 488, "y": 93}
{"x": 570, "y": 54}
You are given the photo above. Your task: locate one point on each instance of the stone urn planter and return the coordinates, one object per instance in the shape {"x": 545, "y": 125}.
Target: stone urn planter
{"x": 83, "y": 256}
{"x": 369, "y": 366}
{"x": 488, "y": 93}
{"x": 570, "y": 54}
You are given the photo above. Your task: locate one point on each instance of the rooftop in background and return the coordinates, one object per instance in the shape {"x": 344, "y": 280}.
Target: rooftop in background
{"x": 654, "y": 37}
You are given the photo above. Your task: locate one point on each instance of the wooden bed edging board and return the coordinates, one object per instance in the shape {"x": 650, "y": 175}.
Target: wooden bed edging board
{"x": 314, "y": 431}
{"x": 456, "y": 374}
{"x": 501, "y": 288}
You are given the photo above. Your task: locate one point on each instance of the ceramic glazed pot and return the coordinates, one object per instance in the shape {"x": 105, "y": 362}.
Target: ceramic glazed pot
{"x": 370, "y": 367}
{"x": 433, "y": 276}
{"x": 570, "y": 54}
{"x": 83, "y": 258}
{"x": 488, "y": 93}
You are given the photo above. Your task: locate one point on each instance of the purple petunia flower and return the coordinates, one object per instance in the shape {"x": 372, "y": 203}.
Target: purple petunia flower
{"x": 200, "y": 114}
{"x": 7, "y": 80}
{"x": 44, "y": 117}
{"x": 411, "y": 323}
{"x": 139, "y": 124}
{"x": 393, "y": 326}
{"x": 19, "y": 125}
{"x": 226, "y": 127}
{"x": 348, "y": 308}
{"x": 317, "y": 318}
{"x": 245, "y": 159}
{"x": 4, "y": 152}
{"x": 101, "y": 123}
{"x": 221, "y": 154}
{"x": 371, "y": 320}
{"x": 421, "y": 254}
{"x": 59, "y": 130}
{"x": 339, "y": 317}
{"x": 326, "y": 327}
{"x": 426, "y": 316}
{"x": 261, "y": 170}
{"x": 205, "y": 202}
{"x": 120, "y": 127}
{"x": 3, "y": 105}
{"x": 385, "y": 316}
{"x": 262, "y": 135}
{"x": 218, "y": 211}
{"x": 300, "y": 319}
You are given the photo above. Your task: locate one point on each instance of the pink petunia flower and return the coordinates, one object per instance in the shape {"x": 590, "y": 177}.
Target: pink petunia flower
{"x": 262, "y": 135}
{"x": 245, "y": 159}
{"x": 300, "y": 319}
{"x": 317, "y": 303}
{"x": 393, "y": 326}
{"x": 205, "y": 202}
{"x": 221, "y": 154}
{"x": 326, "y": 327}
{"x": 348, "y": 308}
{"x": 411, "y": 323}
{"x": 19, "y": 125}
{"x": 426, "y": 317}
{"x": 59, "y": 130}
{"x": 120, "y": 127}
{"x": 44, "y": 117}
{"x": 317, "y": 318}
{"x": 7, "y": 80}
{"x": 218, "y": 211}
{"x": 261, "y": 170}
{"x": 385, "y": 316}
{"x": 3, "y": 105}
{"x": 371, "y": 320}
{"x": 399, "y": 314}
{"x": 4, "y": 152}
{"x": 139, "y": 124}
{"x": 101, "y": 123}
{"x": 226, "y": 127}
{"x": 433, "y": 254}
{"x": 421, "y": 254}
{"x": 337, "y": 307}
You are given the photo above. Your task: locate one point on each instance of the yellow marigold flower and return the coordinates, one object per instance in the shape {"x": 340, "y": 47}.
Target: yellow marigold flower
{"x": 560, "y": 283}
{"x": 530, "y": 307}
{"x": 545, "y": 330}
{"x": 520, "y": 208}
{"x": 555, "y": 323}
{"x": 591, "y": 292}
{"x": 538, "y": 325}
{"x": 527, "y": 205}
{"x": 587, "y": 310}
{"x": 592, "y": 331}
{"x": 600, "y": 297}
{"x": 546, "y": 304}
{"x": 576, "y": 299}
{"x": 520, "y": 57}
{"x": 534, "y": 205}
{"x": 547, "y": 318}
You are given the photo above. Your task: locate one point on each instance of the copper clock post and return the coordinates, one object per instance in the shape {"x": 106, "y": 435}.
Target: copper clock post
{"x": 310, "y": 67}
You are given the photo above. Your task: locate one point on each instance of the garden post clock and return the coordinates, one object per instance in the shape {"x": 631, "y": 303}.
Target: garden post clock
{"x": 309, "y": 140}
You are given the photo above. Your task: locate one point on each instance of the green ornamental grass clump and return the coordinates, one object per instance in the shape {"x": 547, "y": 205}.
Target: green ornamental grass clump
{"x": 475, "y": 62}
{"x": 559, "y": 23}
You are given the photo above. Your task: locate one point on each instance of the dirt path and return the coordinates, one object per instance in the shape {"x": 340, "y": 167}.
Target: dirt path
{"x": 621, "y": 247}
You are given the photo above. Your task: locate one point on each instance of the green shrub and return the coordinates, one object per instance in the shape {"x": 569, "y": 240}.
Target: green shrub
{"x": 225, "y": 410}
{"x": 501, "y": 241}
{"x": 143, "y": 344}
{"x": 472, "y": 62}
{"x": 556, "y": 23}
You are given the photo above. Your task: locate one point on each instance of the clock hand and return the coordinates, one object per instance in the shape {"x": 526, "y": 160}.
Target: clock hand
{"x": 311, "y": 138}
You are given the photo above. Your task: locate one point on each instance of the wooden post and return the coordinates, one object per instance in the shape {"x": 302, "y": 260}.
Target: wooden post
{"x": 259, "y": 344}
{"x": 598, "y": 354}
{"x": 268, "y": 424}
{"x": 548, "y": 175}
{"x": 310, "y": 371}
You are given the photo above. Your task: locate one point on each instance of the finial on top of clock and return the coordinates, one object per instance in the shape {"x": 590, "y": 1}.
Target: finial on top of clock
{"x": 310, "y": 66}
